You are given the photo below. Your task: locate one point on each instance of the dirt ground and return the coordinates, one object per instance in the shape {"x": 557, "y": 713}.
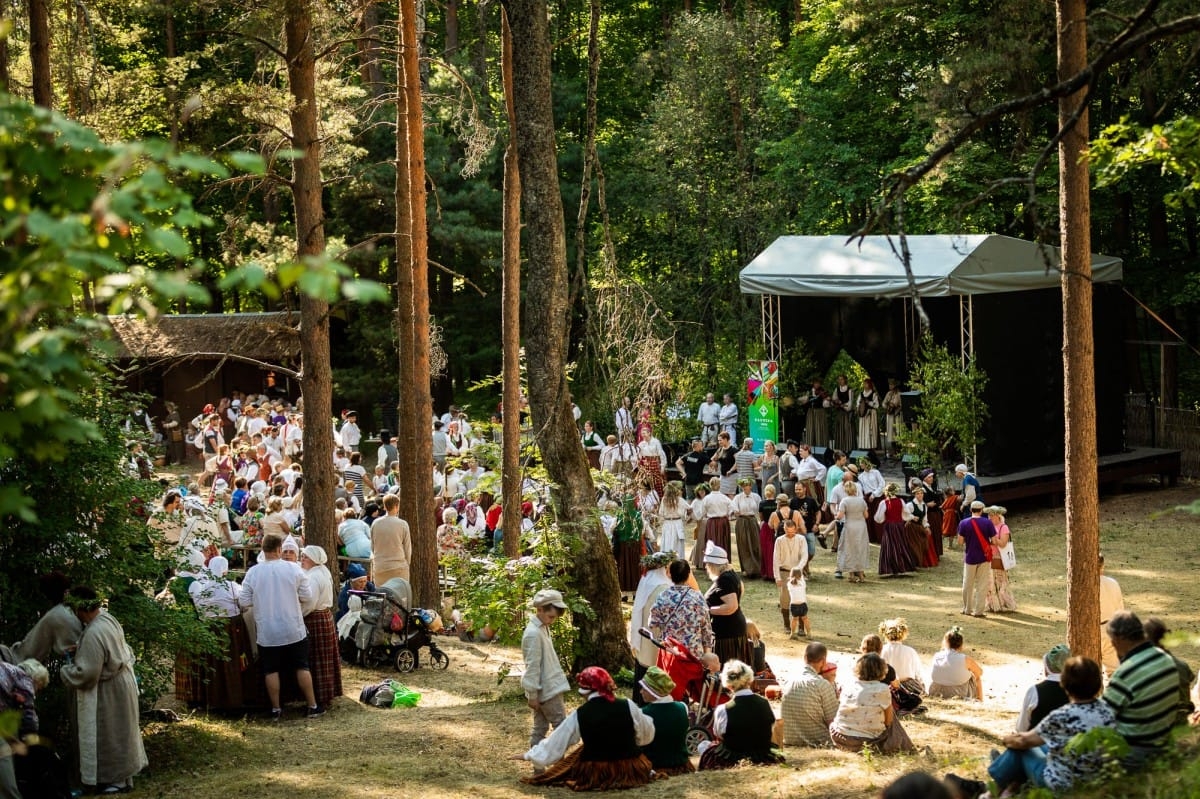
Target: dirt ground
{"x": 456, "y": 743}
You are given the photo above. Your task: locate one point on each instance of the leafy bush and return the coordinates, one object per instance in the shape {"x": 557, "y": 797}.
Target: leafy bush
{"x": 495, "y": 593}
{"x": 951, "y": 412}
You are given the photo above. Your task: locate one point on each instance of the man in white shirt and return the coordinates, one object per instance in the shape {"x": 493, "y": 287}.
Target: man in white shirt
{"x": 351, "y": 435}
{"x": 623, "y": 420}
{"x": 275, "y": 590}
{"x": 727, "y": 417}
{"x": 709, "y": 414}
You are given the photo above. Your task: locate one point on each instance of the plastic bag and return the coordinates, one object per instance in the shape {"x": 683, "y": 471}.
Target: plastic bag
{"x": 403, "y": 695}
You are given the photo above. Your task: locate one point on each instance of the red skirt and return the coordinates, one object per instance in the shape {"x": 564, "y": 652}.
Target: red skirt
{"x": 595, "y": 775}
{"x": 766, "y": 544}
{"x": 649, "y": 467}
{"x": 229, "y": 681}
{"x": 324, "y": 658}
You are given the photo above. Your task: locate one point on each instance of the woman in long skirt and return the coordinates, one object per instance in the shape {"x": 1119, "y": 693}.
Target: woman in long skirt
{"x": 627, "y": 546}
{"x": 766, "y": 533}
{"x": 867, "y": 412}
{"x": 1000, "y": 598}
{"x": 933, "y": 510}
{"x": 854, "y": 549}
{"x": 842, "y": 403}
{"x": 324, "y": 656}
{"x": 745, "y": 514}
{"x": 671, "y": 512}
{"x": 894, "y": 555}
{"x": 916, "y": 530}
{"x": 816, "y": 420}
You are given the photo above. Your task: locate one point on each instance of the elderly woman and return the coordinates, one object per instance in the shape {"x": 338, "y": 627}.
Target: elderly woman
{"x": 680, "y": 611}
{"x": 1040, "y": 756}
{"x": 999, "y": 593}
{"x": 611, "y": 733}
{"x": 449, "y": 536}
{"x": 865, "y": 716}
{"x": 745, "y": 527}
{"x": 324, "y": 659}
{"x": 955, "y": 674}
{"x": 916, "y": 528}
{"x": 228, "y": 681}
{"x": 724, "y": 606}
{"x": 743, "y": 725}
{"x": 668, "y": 751}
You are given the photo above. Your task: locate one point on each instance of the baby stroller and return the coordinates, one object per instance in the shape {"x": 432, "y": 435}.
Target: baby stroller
{"x": 695, "y": 686}
{"x": 388, "y": 632}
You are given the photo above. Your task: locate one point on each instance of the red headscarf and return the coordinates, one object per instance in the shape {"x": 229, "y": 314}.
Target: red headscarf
{"x": 594, "y": 678}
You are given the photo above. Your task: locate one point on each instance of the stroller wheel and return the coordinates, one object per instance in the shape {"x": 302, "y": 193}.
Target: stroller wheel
{"x": 439, "y": 659}
{"x": 405, "y": 660}
{"x": 696, "y": 736}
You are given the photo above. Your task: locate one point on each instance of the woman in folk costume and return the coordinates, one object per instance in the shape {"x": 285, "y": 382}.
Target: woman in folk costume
{"x": 743, "y": 725}
{"x": 816, "y": 419}
{"x": 672, "y": 511}
{"x": 916, "y": 528}
{"x": 627, "y": 545}
{"x": 933, "y": 508}
{"x": 324, "y": 657}
{"x": 842, "y": 403}
{"x": 894, "y": 555}
{"x": 228, "y": 681}
{"x": 668, "y": 752}
{"x": 653, "y": 583}
{"x": 1000, "y": 598}
{"x": 745, "y": 516}
{"x": 867, "y": 411}
{"x": 893, "y": 419}
{"x": 611, "y": 733}
{"x": 715, "y": 509}
{"x": 104, "y": 711}
{"x": 652, "y": 459}
{"x": 766, "y": 533}
{"x": 592, "y": 444}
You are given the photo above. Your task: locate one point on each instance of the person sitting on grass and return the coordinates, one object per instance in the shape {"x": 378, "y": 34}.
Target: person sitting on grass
{"x": 743, "y": 725}
{"x": 668, "y": 751}
{"x": 955, "y": 674}
{"x": 612, "y": 732}
{"x": 865, "y": 717}
{"x": 1039, "y": 756}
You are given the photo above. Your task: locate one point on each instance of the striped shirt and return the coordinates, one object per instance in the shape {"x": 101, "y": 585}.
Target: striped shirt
{"x": 1144, "y": 694}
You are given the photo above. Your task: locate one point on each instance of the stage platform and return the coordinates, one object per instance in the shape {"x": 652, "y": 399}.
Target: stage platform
{"x": 1050, "y": 481}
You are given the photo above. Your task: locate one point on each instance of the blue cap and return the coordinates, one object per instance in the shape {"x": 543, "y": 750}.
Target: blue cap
{"x": 355, "y": 570}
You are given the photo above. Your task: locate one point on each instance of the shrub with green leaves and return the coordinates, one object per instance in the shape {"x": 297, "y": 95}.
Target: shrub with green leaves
{"x": 951, "y": 412}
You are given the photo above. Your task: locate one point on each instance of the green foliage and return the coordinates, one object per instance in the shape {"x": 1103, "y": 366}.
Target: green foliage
{"x": 495, "y": 593}
{"x": 797, "y": 369}
{"x": 1173, "y": 148}
{"x": 1104, "y": 742}
{"x": 91, "y": 526}
{"x": 844, "y": 364}
{"x": 952, "y": 409}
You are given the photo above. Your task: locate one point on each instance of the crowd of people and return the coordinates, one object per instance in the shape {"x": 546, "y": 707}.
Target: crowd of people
{"x": 283, "y": 622}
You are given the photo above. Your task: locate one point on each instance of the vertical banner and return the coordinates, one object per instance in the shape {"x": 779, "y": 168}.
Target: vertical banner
{"x": 762, "y": 408}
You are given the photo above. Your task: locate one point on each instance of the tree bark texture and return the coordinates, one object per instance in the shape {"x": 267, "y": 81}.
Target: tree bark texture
{"x": 510, "y": 471}
{"x": 317, "y": 382}
{"x": 416, "y": 406}
{"x": 601, "y": 640}
{"x": 1079, "y": 384}
{"x": 39, "y": 53}
{"x": 370, "y": 69}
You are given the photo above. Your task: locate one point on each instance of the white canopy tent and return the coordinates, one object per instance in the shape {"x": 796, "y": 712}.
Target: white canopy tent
{"x": 942, "y": 266}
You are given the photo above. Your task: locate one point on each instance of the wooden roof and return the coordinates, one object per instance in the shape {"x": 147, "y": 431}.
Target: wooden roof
{"x": 262, "y": 336}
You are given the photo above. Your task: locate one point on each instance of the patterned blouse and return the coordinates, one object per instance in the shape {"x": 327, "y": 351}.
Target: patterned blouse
{"x": 681, "y": 613}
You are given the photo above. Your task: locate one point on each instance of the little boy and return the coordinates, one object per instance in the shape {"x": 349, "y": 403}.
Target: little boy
{"x": 798, "y": 604}
{"x": 544, "y": 682}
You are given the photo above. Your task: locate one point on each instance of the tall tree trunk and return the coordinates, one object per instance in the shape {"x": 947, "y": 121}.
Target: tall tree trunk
{"x": 510, "y": 471}
{"x": 451, "y": 29}
{"x": 39, "y": 53}
{"x": 4, "y": 72}
{"x": 412, "y": 270}
{"x": 601, "y": 640}
{"x": 370, "y": 70}
{"x": 1079, "y": 380}
{"x": 317, "y": 381}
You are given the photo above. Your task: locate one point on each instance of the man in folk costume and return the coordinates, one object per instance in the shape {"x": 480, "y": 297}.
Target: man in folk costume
{"x": 709, "y": 414}
{"x": 728, "y": 417}
{"x": 104, "y": 699}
